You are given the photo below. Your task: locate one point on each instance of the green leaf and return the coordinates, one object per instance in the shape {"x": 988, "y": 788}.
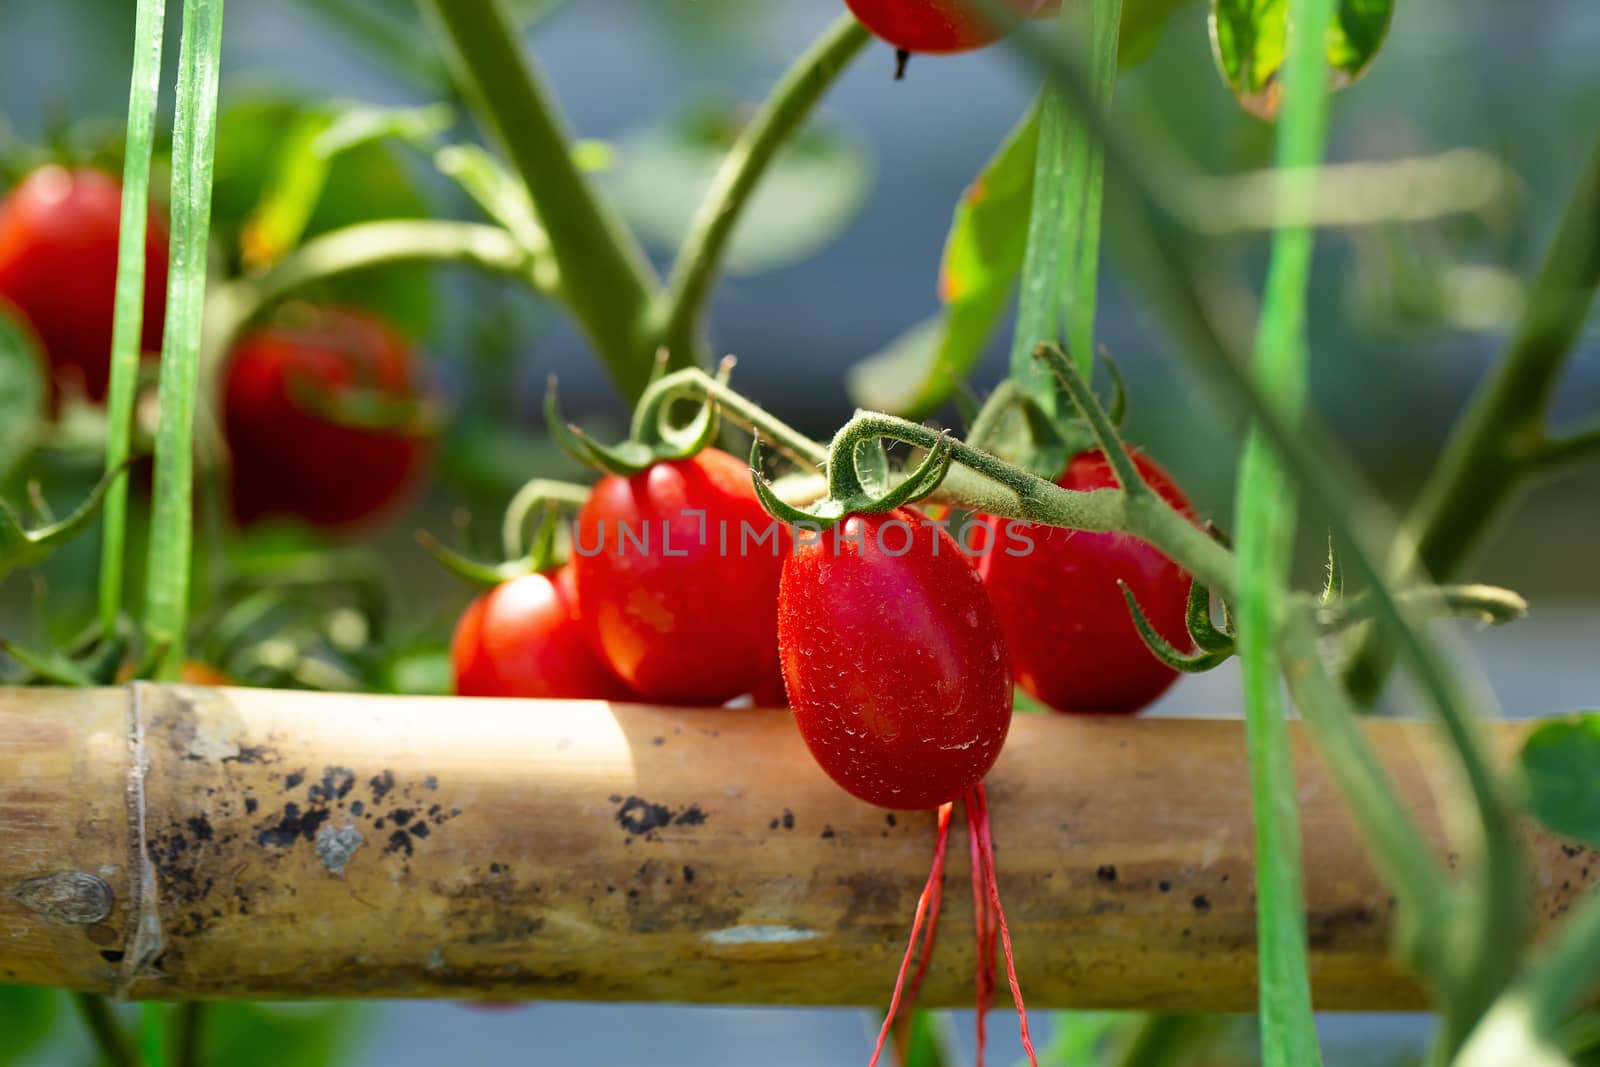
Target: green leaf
{"x": 982, "y": 257}
{"x": 260, "y": 144}
{"x": 22, "y": 390}
{"x": 814, "y": 187}
{"x": 1249, "y": 38}
{"x": 27, "y": 1015}
{"x": 1561, "y": 768}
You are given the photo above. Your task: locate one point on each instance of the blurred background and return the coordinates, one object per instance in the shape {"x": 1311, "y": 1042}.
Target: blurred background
{"x": 838, "y": 262}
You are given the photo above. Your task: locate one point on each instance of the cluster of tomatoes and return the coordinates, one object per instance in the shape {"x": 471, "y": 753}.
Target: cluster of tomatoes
{"x": 298, "y": 442}
{"x": 895, "y": 645}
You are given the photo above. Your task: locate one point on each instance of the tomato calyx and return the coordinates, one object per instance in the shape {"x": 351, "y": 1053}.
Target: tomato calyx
{"x": 653, "y": 437}
{"x": 864, "y": 485}
{"x": 540, "y": 554}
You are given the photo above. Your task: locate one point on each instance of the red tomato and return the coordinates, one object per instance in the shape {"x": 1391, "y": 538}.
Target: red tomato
{"x": 677, "y": 593}
{"x": 1073, "y": 643}
{"x": 523, "y": 639}
{"x": 934, "y": 25}
{"x": 289, "y": 460}
{"x": 895, "y": 664}
{"x": 58, "y": 265}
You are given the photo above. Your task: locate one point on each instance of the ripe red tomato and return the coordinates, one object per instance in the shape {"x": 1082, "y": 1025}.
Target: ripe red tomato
{"x": 290, "y": 460}
{"x": 895, "y": 664}
{"x": 58, "y": 265}
{"x": 1073, "y": 643}
{"x": 934, "y": 25}
{"x": 677, "y": 593}
{"x": 523, "y": 639}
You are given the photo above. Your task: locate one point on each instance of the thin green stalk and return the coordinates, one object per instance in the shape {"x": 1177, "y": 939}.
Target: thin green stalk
{"x": 1499, "y": 444}
{"x": 364, "y": 246}
{"x": 1391, "y": 834}
{"x": 128, "y": 326}
{"x": 155, "y": 1043}
{"x": 680, "y": 308}
{"x": 1086, "y": 194}
{"x": 191, "y": 1035}
{"x": 605, "y": 277}
{"x": 1265, "y": 521}
{"x": 193, "y": 149}
{"x": 693, "y": 383}
{"x": 1166, "y": 258}
{"x": 109, "y": 1039}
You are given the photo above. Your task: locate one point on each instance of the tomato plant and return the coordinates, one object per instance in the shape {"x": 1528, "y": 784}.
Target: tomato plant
{"x": 674, "y": 561}
{"x": 523, "y": 639}
{"x": 690, "y": 578}
{"x": 1058, "y": 594}
{"x": 320, "y": 417}
{"x": 58, "y": 266}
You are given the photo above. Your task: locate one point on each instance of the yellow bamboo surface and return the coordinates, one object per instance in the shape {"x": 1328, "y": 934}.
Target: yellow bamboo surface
{"x": 176, "y": 842}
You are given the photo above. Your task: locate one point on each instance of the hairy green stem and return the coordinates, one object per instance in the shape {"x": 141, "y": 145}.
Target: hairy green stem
{"x": 1087, "y": 188}
{"x": 193, "y": 145}
{"x": 1500, "y": 443}
{"x": 1265, "y": 516}
{"x": 109, "y": 1038}
{"x": 678, "y": 310}
{"x": 693, "y": 383}
{"x": 1040, "y": 289}
{"x": 128, "y": 325}
{"x": 605, "y": 278}
{"x": 540, "y": 491}
{"x": 364, "y": 246}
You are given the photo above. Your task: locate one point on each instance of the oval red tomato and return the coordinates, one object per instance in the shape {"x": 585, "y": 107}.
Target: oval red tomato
{"x": 58, "y": 266}
{"x": 677, "y": 571}
{"x": 1073, "y": 643}
{"x": 894, "y": 661}
{"x": 934, "y": 25}
{"x": 292, "y": 460}
{"x": 523, "y": 639}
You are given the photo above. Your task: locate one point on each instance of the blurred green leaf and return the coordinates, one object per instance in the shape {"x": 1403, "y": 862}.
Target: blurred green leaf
{"x": 811, "y": 192}
{"x": 982, "y": 257}
{"x": 1248, "y": 38}
{"x": 21, "y": 546}
{"x": 27, "y": 1014}
{"x": 244, "y": 1034}
{"x": 1561, "y": 766}
{"x": 22, "y": 389}
{"x": 262, "y": 138}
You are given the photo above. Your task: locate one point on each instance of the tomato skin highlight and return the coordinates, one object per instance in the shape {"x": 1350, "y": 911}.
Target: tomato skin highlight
{"x": 679, "y": 617}
{"x": 290, "y": 461}
{"x": 934, "y": 26}
{"x": 523, "y": 639}
{"x": 1073, "y": 643}
{"x": 895, "y": 665}
{"x": 58, "y": 266}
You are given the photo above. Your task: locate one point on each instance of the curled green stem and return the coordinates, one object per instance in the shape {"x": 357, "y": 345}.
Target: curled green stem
{"x": 693, "y": 383}
{"x": 678, "y": 309}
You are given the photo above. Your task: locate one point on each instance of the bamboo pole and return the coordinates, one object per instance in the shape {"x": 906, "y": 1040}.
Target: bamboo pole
{"x": 182, "y": 843}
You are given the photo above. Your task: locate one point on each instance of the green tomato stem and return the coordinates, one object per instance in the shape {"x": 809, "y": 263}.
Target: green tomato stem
{"x": 605, "y": 278}
{"x": 677, "y": 312}
{"x": 1499, "y": 445}
{"x": 365, "y": 246}
{"x": 128, "y": 325}
{"x": 1265, "y": 520}
{"x": 693, "y": 383}
{"x": 108, "y": 1036}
